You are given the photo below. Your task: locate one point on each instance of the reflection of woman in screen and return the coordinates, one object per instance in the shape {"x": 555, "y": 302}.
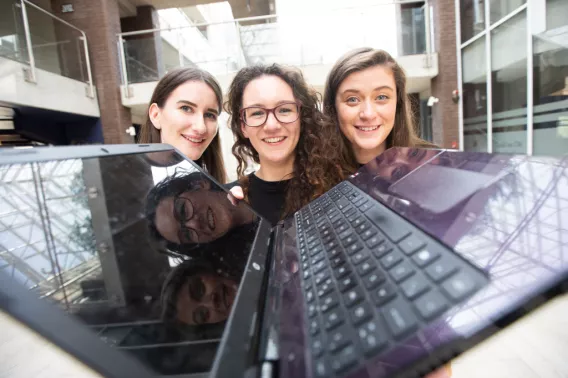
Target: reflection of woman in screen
{"x": 202, "y": 290}
{"x": 185, "y": 209}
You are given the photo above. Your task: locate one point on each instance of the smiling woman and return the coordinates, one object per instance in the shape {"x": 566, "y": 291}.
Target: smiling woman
{"x": 365, "y": 95}
{"x": 183, "y": 112}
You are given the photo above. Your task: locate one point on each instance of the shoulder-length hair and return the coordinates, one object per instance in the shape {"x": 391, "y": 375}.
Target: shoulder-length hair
{"x": 403, "y": 133}
{"x": 317, "y": 165}
{"x": 212, "y": 158}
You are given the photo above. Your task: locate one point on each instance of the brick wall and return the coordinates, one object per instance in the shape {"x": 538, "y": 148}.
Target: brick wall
{"x": 100, "y": 21}
{"x": 445, "y": 112}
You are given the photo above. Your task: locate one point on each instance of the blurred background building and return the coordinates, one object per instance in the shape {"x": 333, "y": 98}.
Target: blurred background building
{"x": 79, "y": 71}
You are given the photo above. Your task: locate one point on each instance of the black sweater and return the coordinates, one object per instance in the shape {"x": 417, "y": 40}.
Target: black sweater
{"x": 266, "y": 197}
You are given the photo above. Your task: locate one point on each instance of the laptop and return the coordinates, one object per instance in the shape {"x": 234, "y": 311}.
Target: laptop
{"x": 138, "y": 263}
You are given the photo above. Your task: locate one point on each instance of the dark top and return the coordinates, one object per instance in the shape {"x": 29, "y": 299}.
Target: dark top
{"x": 266, "y": 197}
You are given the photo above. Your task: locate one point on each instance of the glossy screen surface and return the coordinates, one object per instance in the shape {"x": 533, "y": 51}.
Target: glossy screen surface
{"x": 143, "y": 249}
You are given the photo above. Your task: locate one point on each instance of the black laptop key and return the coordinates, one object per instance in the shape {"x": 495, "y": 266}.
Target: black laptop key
{"x": 355, "y": 247}
{"x": 360, "y": 313}
{"x": 431, "y": 305}
{"x": 344, "y": 359}
{"x": 341, "y": 227}
{"x": 317, "y": 347}
{"x": 325, "y": 288}
{"x": 312, "y": 238}
{"x": 341, "y": 271}
{"x": 313, "y": 244}
{"x": 399, "y": 317}
{"x": 319, "y": 267}
{"x": 353, "y": 296}
{"x": 415, "y": 286}
{"x": 307, "y": 274}
{"x": 349, "y": 240}
{"x": 425, "y": 256}
{"x": 321, "y": 277}
{"x": 441, "y": 269}
{"x": 314, "y": 327}
{"x": 342, "y": 203}
{"x": 310, "y": 295}
{"x": 402, "y": 271}
{"x": 312, "y": 310}
{"x": 304, "y": 258}
{"x": 333, "y": 319}
{"x": 390, "y": 259}
{"x": 345, "y": 234}
{"x": 411, "y": 244}
{"x": 338, "y": 338}
{"x": 335, "y": 217}
{"x": 365, "y": 206}
{"x": 331, "y": 244}
{"x": 384, "y": 294}
{"x": 373, "y": 280}
{"x": 373, "y": 241}
{"x": 366, "y": 268}
{"x": 326, "y": 239}
{"x": 360, "y": 200}
{"x": 329, "y": 302}
{"x": 394, "y": 228}
{"x": 322, "y": 368}
{"x": 362, "y": 227}
{"x": 382, "y": 249}
{"x": 348, "y": 210}
{"x": 359, "y": 257}
{"x": 317, "y": 258}
{"x": 371, "y": 338}
{"x": 459, "y": 286}
{"x": 347, "y": 283}
{"x": 368, "y": 233}
{"x": 314, "y": 251}
{"x": 334, "y": 252}
{"x": 357, "y": 221}
{"x": 337, "y": 261}
{"x": 326, "y": 232}
{"x": 305, "y": 266}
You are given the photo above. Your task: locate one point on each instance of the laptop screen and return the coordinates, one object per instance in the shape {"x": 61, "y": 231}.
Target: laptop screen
{"x": 143, "y": 249}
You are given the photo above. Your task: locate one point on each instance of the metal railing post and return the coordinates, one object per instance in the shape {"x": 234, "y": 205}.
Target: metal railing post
{"x": 90, "y": 88}
{"x": 428, "y": 34}
{"x": 123, "y": 67}
{"x": 30, "y": 74}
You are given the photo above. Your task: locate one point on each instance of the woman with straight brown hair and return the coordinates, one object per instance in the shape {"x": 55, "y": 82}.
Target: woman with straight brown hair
{"x": 365, "y": 95}
{"x": 183, "y": 112}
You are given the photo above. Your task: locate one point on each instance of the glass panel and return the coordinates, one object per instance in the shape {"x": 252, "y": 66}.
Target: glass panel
{"x": 500, "y": 8}
{"x": 143, "y": 249}
{"x": 472, "y": 18}
{"x": 551, "y": 82}
{"x": 475, "y": 96}
{"x": 509, "y": 85}
{"x": 57, "y": 47}
{"x": 12, "y": 39}
{"x": 413, "y": 29}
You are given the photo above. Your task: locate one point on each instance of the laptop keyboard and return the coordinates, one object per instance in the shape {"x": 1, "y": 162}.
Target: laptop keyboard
{"x": 370, "y": 278}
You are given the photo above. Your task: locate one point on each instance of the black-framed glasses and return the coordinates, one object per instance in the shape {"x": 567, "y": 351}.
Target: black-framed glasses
{"x": 256, "y": 116}
{"x": 183, "y": 212}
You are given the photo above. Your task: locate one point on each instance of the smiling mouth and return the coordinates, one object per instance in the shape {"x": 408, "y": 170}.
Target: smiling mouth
{"x": 273, "y": 140}
{"x": 210, "y": 218}
{"x": 193, "y": 139}
{"x": 367, "y": 128}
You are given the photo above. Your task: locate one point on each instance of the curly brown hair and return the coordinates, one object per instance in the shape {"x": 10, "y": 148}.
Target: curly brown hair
{"x": 403, "y": 133}
{"x": 317, "y": 165}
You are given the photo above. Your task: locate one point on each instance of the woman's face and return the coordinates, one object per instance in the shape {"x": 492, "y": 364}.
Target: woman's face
{"x": 274, "y": 141}
{"x": 188, "y": 119}
{"x": 205, "y": 298}
{"x": 194, "y": 217}
{"x": 366, "y": 108}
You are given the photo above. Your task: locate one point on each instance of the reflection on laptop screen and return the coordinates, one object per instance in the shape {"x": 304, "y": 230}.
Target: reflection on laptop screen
{"x": 148, "y": 255}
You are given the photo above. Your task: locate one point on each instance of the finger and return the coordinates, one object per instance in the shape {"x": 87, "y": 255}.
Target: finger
{"x": 443, "y": 372}
{"x": 237, "y": 191}
{"x": 233, "y": 200}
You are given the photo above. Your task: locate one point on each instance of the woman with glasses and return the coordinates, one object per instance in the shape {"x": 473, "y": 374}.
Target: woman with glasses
{"x": 183, "y": 112}
{"x": 186, "y": 210}
{"x": 277, "y": 124}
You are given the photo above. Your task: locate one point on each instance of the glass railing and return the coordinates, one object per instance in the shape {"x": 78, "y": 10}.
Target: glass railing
{"x": 294, "y": 39}
{"x": 43, "y": 41}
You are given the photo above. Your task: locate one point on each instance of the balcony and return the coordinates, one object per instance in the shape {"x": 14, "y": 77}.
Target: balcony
{"x": 41, "y": 54}
{"x": 310, "y": 40}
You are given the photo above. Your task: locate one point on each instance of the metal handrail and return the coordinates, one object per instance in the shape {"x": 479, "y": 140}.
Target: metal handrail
{"x": 32, "y": 76}
{"x": 238, "y": 22}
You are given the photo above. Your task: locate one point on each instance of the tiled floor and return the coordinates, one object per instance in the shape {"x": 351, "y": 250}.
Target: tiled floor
{"x": 534, "y": 347}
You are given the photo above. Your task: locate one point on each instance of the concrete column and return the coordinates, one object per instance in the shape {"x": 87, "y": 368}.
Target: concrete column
{"x": 445, "y": 121}
{"x": 101, "y": 22}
